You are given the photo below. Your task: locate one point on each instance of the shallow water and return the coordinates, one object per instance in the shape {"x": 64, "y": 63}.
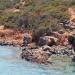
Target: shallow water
{"x": 11, "y": 64}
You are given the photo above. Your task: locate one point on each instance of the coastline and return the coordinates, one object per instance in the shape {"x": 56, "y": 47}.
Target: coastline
{"x": 30, "y": 51}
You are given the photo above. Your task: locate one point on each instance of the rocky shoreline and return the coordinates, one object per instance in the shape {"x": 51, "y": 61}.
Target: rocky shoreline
{"x": 43, "y": 54}
{"x": 40, "y": 52}
{"x": 46, "y": 47}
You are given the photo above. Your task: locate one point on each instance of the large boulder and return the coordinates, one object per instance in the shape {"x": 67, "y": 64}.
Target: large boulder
{"x": 47, "y": 40}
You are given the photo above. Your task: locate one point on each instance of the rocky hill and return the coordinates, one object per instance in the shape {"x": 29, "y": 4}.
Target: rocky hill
{"x": 34, "y": 14}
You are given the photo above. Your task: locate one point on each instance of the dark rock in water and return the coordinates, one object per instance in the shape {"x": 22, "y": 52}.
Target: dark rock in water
{"x": 73, "y": 59}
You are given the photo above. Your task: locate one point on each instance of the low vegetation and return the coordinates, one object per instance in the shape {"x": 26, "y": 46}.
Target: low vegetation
{"x": 35, "y": 14}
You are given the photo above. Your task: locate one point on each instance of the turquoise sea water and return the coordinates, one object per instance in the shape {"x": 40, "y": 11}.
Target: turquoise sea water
{"x": 11, "y": 64}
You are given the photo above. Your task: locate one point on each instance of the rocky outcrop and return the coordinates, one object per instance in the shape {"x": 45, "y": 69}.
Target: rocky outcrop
{"x": 35, "y": 55}
{"x": 46, "y": 47}
{"x": 32, "y": 51}
{"x": 42, "y": 54}
{"x": 47, "y": 40}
